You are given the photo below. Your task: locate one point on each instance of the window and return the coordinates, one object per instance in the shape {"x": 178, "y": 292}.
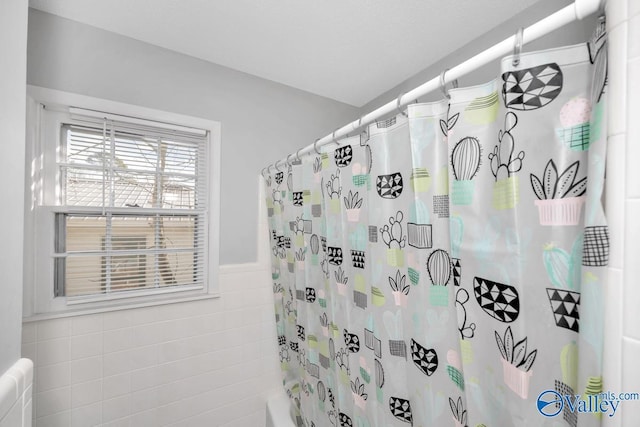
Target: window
{"x": 122, "y": 209}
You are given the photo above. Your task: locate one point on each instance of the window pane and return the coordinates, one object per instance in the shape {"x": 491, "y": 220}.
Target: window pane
{"x": 85, "y": 146}
{"x": 128, "y": 252}
{"x": 83, "y": 187}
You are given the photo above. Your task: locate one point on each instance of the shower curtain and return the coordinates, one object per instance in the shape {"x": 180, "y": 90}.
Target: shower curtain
{"x": 445, "y": 267}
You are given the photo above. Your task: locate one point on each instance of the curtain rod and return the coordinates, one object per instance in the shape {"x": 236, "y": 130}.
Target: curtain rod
{"x": 576, "y": 11}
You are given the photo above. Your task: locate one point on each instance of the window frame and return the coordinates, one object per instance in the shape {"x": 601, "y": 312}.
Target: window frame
{"x": 41, "y": 182}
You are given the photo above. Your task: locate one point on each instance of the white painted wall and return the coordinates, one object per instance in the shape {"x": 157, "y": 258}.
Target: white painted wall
{"x": 13, "y": 63}
{"x": 262, "y": 121}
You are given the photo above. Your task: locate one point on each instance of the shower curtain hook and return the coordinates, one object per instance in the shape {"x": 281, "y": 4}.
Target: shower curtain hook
{"x": 276, "y": 166}
{"x": 298, "y": 154}
{"x": 398, "y": 105}
{"x": 315, "y": 147}
{"x": 288, "y": 162}
{"x": 517, "y": 46}
{"x": 333, "y": 137}
{"x": 262, "y": 173}
{"x": 443, "y": 85}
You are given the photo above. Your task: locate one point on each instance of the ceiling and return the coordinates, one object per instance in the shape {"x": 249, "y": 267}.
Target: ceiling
{"x": 347, "y": 50}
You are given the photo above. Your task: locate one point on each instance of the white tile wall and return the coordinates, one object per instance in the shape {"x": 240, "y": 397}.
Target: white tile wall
{"x": 16, "y": 391}
{"x": 201, "y": 363}
{"x": 622, "y": 341}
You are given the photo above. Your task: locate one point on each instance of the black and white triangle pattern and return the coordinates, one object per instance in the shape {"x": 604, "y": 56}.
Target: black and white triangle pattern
{"x": 335, "y": 255}
{"x": 498, "y": 300}
{"x": 456, "y": 270}
{"x": 389, "y": 186}
{"x": 357, "y": 257}
{"x": 425, "y": 359}
{"x": 566, "y": 308}
{"x": 401, "y": 409}
{"x": 532, "y": 88}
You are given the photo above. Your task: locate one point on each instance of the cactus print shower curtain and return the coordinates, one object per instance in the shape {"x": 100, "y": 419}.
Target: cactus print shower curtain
{"x": 445, "y": 267}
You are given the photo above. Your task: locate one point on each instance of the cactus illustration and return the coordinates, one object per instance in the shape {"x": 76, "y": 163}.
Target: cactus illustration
{"x": 465, "y": 158}
{"x": 439, "y": 267}
{"x": 392, "y": 236}
{"x": 563, "y": 268}
{"x": 334, "y": 189}
{"x": 503, "y": 162}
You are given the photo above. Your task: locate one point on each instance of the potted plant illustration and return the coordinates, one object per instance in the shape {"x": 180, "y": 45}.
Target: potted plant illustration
{"x": 353, "y": 203}
{"x": 439, "y": 269}
{"x": 575, "y": 118}
{"x": 394, "y": 239}
{"x": 504, "y": 165}
{"x": 560, "y": 197}
{"x": 420, "y": 180}
{"x": 516, "y": 362}
{"x": 359, "y": 396}
{"x": 399, "y": 288}
{"x": 334, "y": 190}
{"x": 300, "y": 256}
{"x": 360, "y": 176}
{"x": 465, "y": 162}
{"x": 564, "y": 272}
{"x": 324, "y": 324}
{"x": 458, "y": 412}
{"x": 341, "y": 281}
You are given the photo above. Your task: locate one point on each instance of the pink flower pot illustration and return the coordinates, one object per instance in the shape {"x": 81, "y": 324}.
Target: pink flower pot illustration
{"x": 342, "y": 288}
{"x": 353, "y": 215}
{"x": 359, "y": 401}
{"x": 516, "y": 379}
{"x": 400, "y": 298}
{"x": 564, "y": 211}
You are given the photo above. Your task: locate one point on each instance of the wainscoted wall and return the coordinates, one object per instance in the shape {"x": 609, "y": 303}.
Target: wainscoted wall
{"x": 622, "y": 337}
{"x": 16, "y": 386}
{"x": 204, "y": 363}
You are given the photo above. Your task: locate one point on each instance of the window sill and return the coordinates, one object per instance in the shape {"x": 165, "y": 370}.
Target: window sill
{"x": 124, "y": 306}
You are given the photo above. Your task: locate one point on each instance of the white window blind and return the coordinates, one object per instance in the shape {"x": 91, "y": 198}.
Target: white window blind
{"x": 133, "y": 208}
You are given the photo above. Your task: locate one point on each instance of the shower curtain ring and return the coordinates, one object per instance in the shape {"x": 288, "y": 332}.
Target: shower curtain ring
{"x": 398, "y": 105}
{"x": 315, "y": 147}
{"x": 443, "y": 84}
{"x": 276, "y": 166}
{"x": 517, "y": 47}
{"x": 262, "y": 173}
{"x": 333, "y": 137}
{"x": 298, "y": 154}
{"x": 288, "y": 162}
